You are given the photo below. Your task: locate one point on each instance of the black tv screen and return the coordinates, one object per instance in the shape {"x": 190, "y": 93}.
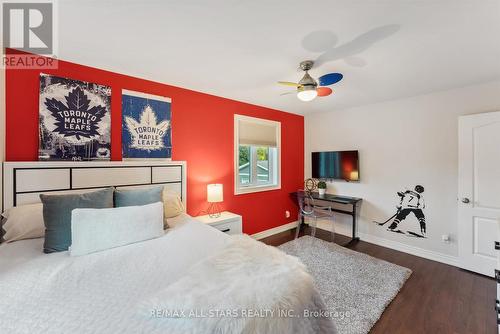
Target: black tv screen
{"x": 340, "y": 165}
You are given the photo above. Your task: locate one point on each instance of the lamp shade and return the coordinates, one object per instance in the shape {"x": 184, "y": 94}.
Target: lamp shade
{"x": 307, "y": 93}
{"x": 214, "y": 193}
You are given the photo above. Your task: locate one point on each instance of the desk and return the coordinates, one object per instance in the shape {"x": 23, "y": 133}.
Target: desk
{"x": 353, "y": 201}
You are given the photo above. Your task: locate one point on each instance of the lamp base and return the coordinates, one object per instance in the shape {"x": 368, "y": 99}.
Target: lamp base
{"x": 213, "y": 210}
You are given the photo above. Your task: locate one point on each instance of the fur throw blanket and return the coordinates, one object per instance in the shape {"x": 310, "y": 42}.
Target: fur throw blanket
{"x": 247, "y": 287}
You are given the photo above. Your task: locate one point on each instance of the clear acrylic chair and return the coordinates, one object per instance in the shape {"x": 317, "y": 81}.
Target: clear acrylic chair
{"x": 309, "y": 209}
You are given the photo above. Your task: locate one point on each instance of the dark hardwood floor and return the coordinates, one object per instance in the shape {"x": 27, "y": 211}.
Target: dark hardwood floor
{"x": 437, "y": 298}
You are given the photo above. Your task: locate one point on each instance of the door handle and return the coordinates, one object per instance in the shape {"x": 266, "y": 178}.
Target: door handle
{"x": 497, "y": 245}
{"x": 465, "y": 200}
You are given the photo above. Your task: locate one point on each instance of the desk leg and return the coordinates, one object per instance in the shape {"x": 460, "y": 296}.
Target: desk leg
{"x": 354, "y": 238}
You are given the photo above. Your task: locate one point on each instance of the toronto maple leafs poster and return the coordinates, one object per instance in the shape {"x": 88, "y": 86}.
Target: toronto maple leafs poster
{"x": 146, "y": 128}
{"x": 74, "y": 120}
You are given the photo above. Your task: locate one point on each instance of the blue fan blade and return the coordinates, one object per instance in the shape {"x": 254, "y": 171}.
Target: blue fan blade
{"x": 330, "y": 79}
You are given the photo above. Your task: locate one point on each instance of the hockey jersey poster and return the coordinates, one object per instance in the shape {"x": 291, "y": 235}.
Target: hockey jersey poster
{"x": 74, "y": 120}
{"x": 146, "y": 126}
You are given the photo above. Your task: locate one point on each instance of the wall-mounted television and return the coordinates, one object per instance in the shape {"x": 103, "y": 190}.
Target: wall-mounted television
{"x": 337, "y": 165}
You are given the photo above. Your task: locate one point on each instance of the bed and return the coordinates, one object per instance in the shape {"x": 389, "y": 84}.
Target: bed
{"x": 170, "y": 284}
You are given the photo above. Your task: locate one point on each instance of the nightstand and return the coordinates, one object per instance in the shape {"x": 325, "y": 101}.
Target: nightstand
{"x": 228, "y": 222}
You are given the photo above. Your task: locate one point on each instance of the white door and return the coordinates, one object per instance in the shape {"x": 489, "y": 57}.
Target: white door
{"x": 478, "y": 191}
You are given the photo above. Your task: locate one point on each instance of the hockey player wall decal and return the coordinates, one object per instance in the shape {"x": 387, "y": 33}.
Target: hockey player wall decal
{"x": 410, "y": 202}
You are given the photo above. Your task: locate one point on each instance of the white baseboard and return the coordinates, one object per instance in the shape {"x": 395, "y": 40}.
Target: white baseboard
{"x": 399, "y": 246}
{"x": 417, "y": 251}
{"x": 396, "y": 245}
{"x": 274, "y": 230}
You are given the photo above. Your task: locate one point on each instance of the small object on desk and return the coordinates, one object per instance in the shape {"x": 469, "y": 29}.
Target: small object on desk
{"x": 310, "y": 184}
{"x": 353, "y": 201}
{"x": 321, "y": 188}
{"x": 227, "y": 222}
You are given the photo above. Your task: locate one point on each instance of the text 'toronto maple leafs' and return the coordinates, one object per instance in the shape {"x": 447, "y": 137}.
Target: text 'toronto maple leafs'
{"x": 75, "y": 118}
{"x": 147, "y": 134}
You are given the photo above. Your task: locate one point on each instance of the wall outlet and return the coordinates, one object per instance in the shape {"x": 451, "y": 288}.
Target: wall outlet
{"x": 445, "y": 238}
{"x": 287, "y": 214}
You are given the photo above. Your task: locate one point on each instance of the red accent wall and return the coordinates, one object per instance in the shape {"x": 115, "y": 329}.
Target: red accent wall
{"x": 202, "y": 135}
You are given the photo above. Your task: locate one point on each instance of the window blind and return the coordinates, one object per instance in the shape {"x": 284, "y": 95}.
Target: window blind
{"x": 257, "y": 132}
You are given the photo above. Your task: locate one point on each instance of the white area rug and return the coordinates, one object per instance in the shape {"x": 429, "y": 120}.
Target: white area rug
{"x": 355, "y": 286}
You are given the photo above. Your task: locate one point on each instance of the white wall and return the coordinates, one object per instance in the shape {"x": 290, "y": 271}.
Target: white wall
{"x": 402, "y": 143}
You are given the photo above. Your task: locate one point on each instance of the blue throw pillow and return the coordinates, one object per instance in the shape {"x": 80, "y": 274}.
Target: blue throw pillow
{"x": 57, "y": 215}
{"x": 134, "y": 197}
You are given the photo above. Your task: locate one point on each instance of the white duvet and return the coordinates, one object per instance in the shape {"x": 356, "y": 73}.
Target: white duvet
{"x": 103, "y": 292}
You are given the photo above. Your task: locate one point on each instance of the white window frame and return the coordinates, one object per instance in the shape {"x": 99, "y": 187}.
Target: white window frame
{"x": 274, "y": 173}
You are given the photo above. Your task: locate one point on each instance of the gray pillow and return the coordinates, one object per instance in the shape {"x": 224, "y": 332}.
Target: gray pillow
{"x": 134, "y": 197}
{"x": 57, "y": 215}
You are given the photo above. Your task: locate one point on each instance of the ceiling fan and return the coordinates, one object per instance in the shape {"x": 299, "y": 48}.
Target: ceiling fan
{"x": 308, "y": 88}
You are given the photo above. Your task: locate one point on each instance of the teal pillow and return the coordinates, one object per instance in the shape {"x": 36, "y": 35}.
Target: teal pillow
{"x": 133, "y": 197}
{"x": 57, "y": 215}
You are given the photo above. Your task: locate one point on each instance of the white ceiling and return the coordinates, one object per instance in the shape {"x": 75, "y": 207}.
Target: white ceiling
{"x": 386, "y": 49}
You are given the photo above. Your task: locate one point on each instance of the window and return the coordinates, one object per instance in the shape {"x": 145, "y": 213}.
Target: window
{"x": 257, "y": 157}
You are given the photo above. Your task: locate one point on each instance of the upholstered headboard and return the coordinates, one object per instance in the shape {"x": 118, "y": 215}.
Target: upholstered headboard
{"x": 23, "y": 182}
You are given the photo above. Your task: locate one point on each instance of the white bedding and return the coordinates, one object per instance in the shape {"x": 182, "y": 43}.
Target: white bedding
{"x": 107, "y": 291}
{"x": 56, "y": 293}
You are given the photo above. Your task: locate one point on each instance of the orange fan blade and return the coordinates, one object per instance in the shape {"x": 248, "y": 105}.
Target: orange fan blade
{"x": 324, "y": 91}
{"x": 288, "y": 83}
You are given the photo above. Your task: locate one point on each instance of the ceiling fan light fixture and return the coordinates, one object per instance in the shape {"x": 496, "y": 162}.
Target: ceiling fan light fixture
{"x": 307, "y": 93}
{"x": 308, "y": 88}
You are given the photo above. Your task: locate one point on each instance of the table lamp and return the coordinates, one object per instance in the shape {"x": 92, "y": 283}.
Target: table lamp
{"x": 214, "y": 197}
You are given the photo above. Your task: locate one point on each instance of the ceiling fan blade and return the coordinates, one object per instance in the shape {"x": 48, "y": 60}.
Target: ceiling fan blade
{"x": 288, "y": 93}
{"x": 329, "y": 79}
{"x": 288, "y": 83}
{"x": 324, "y": 91}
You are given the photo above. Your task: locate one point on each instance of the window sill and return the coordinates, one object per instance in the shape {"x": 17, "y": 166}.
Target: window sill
{"x": 256, "y": 189}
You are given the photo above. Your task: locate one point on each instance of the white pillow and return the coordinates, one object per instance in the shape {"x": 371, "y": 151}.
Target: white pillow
{"x": 24, "y": 222}
{"x": 172, "y": 204}
{"x": 94, "y": 230}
